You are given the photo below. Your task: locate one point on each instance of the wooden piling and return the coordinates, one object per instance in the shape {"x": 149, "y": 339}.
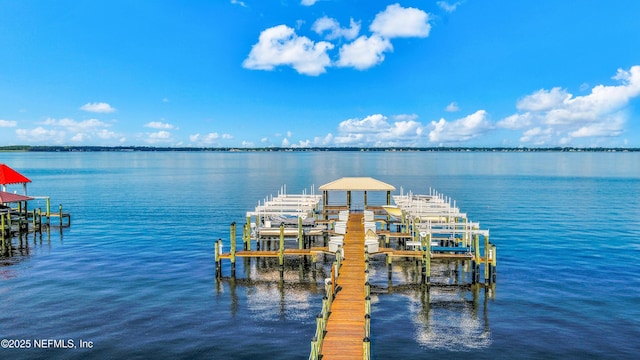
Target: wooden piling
{"x": 476, "y": 259}
{"x": 281, "y": 246}
{"x": 493, "y": 263}
{"x": 244, "y": 237}
{"x": 487, "y": 259}
{"x": 3, "y": 230}
{"x": 232, "y": 237}
{"x": 248, "y": 244}
{"x": 320, "y": 326}
{"x": 218, "y": 251}
{"x": 300, "y": 234}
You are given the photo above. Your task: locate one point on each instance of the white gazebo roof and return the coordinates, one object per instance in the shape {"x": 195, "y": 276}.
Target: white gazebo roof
{"x": 357, "y": 184}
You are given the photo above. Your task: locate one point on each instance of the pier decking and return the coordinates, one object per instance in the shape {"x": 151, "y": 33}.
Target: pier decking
{"x": 345, "y": 328}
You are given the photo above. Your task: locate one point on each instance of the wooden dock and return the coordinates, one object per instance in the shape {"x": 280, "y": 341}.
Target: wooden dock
{"x": 421, "y": 229}
{"x": 345, "y": 328}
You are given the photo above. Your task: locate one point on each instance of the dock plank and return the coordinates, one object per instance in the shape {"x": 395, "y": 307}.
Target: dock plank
{"x": 345, "y": 326}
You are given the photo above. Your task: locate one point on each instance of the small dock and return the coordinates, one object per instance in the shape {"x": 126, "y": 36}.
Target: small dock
{"x": 16, "y": 219}
{"x": 424, "y": 230}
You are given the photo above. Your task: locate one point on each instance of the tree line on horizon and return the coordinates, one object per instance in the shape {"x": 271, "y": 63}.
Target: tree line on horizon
{"x": 46, "y": 148}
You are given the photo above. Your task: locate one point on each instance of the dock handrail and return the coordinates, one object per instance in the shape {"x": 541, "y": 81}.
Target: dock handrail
{"x": 366, "y": 341}
{"x": 327, "y": 301}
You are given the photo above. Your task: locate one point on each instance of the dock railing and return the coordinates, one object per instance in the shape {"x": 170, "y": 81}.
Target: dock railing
{"x": 366, "y": 342}
{"x": 323, "y": 316}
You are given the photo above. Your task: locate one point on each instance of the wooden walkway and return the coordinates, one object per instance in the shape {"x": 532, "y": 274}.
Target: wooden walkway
{"x": 345, "y": 326}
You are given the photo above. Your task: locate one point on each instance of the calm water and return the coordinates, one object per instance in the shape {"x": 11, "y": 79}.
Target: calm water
{"x": 135, "y": 273}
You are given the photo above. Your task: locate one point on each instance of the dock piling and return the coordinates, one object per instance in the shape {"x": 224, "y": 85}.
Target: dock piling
{"x": 218, "y": 260}
{"x": 248, "y": 231}
{"x": 232, "y": 237}
{"x": 281, "y": 251}
{"x": 3, "y": 233}
{"x": 492, "y": 268}
{"x": 366, "y": 348}
{"x": 300, "y": 234}
{"x": 487, "y": 259}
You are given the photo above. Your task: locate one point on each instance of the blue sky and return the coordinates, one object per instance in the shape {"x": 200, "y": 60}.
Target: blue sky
{"x": 305, "y": 73}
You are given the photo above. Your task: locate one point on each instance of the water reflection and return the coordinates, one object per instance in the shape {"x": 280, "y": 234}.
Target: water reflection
{"x": 18, "y": 247}
{"x": 272, "y": 294}
{"x": 451, "y": 314}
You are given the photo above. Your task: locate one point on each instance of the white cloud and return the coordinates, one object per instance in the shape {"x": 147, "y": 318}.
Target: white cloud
{"x": 8, "y": 123}
{"x": 396, "y": 21}
{"x": 106, "y": 134}
{"x": 238, "y": 2}
{"x": 516, "y": 121}
{"x": 59, "y": 131}
{"x": 460, "y": 130}
{"x": 537, "y": 136}
{"x": 543, "y": 100}
{"x": 333, "y": 29}
{"x": 98, "y": 107}
{"x": 557, "y": 116}
{"x": 308, "y": 2}
{"x": 613, "y": 125}
{"x": 350, "y": 139}
{"x": 377, "y": 130}
{"x": 208, "y": 139}
{"x": 449, "y": 7}
{"x": 41, "y": 135}
{"x": 80, "y": 137}
{"x": 280, "y": 45}
{"x": 62, "y": 131}
{"x": 364, "y": 52}
{"x": 76, "y": 126}
{"x": 323, "y": 141}
{"x": 159, "y": 137}
{"x": 453, "y": 107}
{"x": 370, "y": 124}
{"x": 159, "y": 125}
{"x": 302, "y": 144}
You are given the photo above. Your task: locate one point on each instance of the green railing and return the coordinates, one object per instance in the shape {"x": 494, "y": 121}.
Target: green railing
{"x": 327, "y": 301}
{"x": 366, "y": 342}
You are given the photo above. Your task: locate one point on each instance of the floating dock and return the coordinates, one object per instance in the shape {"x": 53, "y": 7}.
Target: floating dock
{"x": 426, "y": 228}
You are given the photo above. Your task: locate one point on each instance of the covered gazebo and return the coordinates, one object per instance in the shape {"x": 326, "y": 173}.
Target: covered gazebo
{"x": 9, "y": 176}
{"x": 350, "y": 184}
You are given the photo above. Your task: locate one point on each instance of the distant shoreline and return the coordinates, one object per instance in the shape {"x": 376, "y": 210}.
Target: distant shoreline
{"x": 26, "y": 148}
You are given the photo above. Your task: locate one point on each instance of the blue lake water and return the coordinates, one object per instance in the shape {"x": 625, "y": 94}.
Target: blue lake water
{"x": 135, "y": 275}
